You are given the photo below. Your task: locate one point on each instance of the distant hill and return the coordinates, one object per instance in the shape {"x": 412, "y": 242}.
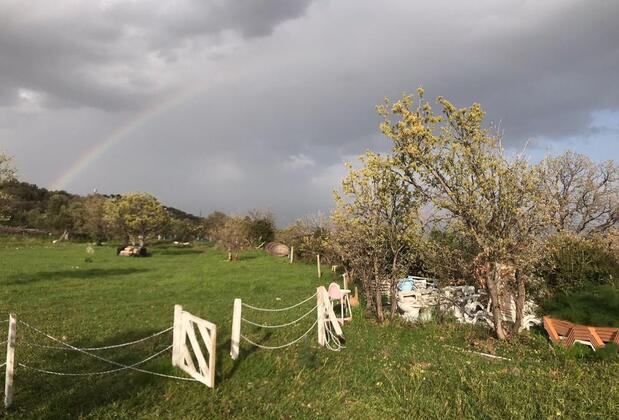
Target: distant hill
{"x": 35, "y": 207}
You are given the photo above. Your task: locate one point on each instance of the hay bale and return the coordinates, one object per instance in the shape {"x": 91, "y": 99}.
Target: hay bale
{"x": 277, "y": 249}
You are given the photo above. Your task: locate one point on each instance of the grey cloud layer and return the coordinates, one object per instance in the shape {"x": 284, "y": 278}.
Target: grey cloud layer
{"x": 280, "y": 92}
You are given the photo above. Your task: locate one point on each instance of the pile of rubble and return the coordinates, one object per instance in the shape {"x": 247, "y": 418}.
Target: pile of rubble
{"x": 132, "y": 251}
{"x": 418, "y": 298}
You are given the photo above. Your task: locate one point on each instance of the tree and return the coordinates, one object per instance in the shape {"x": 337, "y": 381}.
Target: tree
{"x": 7, "y": 174}
{"x": 212, "y": 223}
{"x": 90, "y": 218}
{"x": 59, "y": 211}
{"x": 261, "y": 226}
{"x": 585, "y": 194}
{"x": 459, "y": 167}
{"x": 233, "y": 236}
{"x": 184, "y": 229}
{"x": 309, "y": 236}
{"x": 137, "y": 216}
{"x": 376, "y": 226}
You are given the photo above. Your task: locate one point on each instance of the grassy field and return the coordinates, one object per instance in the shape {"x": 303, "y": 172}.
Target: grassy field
{"x": 385, "y": 371}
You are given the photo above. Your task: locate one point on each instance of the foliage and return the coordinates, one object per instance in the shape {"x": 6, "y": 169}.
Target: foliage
{"x": 572, "y": 262}
{"x": 596, "y": 305}
{"x": 7, "y": 174}
{"x": 89, "y": 218}
{"x": 458, "y": 166}
{"x": 136, "y": 216}
{"x": 212, "y": 223}
{"x": 184, "y": 230}
{"x": 585, "y": 194}
{"x": 309, "y": 236}
{"x": 376, "y": 227}
{"x": 449, "y": 255}
{"x": 233, "y": 236}
{"x": 260, "y": 227}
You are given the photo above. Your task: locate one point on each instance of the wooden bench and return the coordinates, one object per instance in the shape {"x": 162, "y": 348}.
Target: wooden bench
{"x": 567, "y": 333}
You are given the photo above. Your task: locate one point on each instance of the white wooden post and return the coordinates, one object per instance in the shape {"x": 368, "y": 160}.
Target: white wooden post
{"x": 10, "y": 361}
{"x": 212, "y": 352}
{"x": 320, "y": 314}
{"x": 291, "y": 254}
{"x": 318, "y": 265}
{"x": 177, "y": 336}
{"x": 345, "y": 276}
{"x": 236, "y": 329}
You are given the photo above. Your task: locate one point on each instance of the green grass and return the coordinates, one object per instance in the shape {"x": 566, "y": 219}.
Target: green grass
{"x": 393, "y": 370}
{"x": 595, "y": 305}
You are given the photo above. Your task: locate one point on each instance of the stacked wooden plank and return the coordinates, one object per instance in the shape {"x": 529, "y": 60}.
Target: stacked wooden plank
{"x": 567, "y": 333}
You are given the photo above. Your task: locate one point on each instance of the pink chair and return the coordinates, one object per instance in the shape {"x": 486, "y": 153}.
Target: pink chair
{"x": 341, "y": 295}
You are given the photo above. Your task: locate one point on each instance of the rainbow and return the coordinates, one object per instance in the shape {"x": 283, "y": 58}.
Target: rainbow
{"x": 90, "y": 155}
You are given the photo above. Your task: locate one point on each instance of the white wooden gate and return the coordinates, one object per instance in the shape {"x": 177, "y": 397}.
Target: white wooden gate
{"x": 189, "y": 349}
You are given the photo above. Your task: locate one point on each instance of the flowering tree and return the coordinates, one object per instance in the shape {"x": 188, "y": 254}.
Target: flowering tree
{"x": 376, "y": 224}
{"x": 458, "y": 166}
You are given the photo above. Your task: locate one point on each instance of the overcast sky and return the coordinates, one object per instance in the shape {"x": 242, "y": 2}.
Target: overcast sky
{"x": 233, "y": 105}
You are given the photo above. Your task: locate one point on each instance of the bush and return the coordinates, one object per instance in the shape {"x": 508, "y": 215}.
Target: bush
{"x": 596, "y": 305}
{"x": 571, "y": 263}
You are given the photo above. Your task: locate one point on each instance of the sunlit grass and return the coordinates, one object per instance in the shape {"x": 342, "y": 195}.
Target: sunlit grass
{"x": 386, "y": 371}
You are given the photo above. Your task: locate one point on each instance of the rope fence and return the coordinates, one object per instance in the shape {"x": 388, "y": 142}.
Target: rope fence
{"x": 95, "y": 356}
{"x": 255, "y": 308}
{"x": 332, "y": 342}
{"x": 283, "y": 345}
{"x": 103, "y": 372}
{"x": 115, "y": 346}
{"x": 280, "y": 325}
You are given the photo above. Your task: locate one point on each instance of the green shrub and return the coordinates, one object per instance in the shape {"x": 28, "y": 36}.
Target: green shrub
{"x": 595, "y": 305}
{"x": 571, "y": 263}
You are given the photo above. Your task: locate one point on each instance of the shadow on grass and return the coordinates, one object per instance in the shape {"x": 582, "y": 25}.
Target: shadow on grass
{"x": 244, "y": 353}
{"x": 40, "y": 395}
{"x": 247, "y": 257}
{"x": 177, "y": 251}
{"x": 78, "y": 273}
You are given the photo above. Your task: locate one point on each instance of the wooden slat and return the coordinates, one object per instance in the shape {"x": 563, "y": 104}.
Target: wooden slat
{"x": 570, "y": 338}
{"x": 205, "y": 334}
{"x": 197, "y": 320}
{"x": 595, "y": 338}
{"x": 550, "y": 328}
{"x": 187, "y": 359}
{"x": 195, "y": 346}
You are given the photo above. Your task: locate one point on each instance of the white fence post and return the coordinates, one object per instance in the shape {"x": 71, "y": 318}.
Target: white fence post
{"x": 320, "y": 314}
{"x": 177, "y": 335}
{"x": 318, "y": 265}
{"x": 291, "y": 254}
{"x": 236, "y": 329}
{"x": 10, "y": 361}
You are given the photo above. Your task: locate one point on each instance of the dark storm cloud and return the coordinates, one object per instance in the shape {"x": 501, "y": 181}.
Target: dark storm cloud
{"x": 106, "y": 55}
{"x": 280, "y": 92}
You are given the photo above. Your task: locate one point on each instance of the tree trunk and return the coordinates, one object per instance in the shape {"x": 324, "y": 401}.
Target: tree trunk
{"x": 520, "y": 301}
{"x": 393, "y": 282}
{"x": 394, "y": 297}
{"x": 497, "y": 315}
{"x": 378, "y": 298}
{"x": 369, "y": 298}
